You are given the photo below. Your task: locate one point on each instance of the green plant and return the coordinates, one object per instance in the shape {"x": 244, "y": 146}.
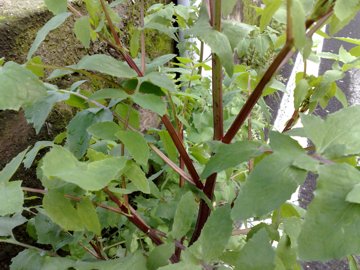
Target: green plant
{"x": 115, "y": 198}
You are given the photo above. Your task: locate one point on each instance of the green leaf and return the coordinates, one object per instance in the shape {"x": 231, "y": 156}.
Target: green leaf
{"x": 273, "y": 180}
{"x": 227, "y": 7}
{"x": 231, "y": 155}
{"x": 31, "y": 259}
{"x": 353, "y": 263}
{"x": 300, "y": 92}
{"x": 38, "y": 112}
{"x": 268, "y": 13}
{"x": 161, "y": 80}
{"x": 48, "y": 232}
{"x": 87, "y": 175}
{"x": 82, "y": 29}
{"x": 184, "y": 216}
{"x": 88, "y": 215}
{"x": 25, "y": 87}
{"x": 56, "y": 6}
{"x": 331, "y": 223}
{"x": 104, "y": 130}
{"x": 11, "y": 198}
{"x": 77, "y": 135}
{"x": 215, "y": 235}
{"x": 337, "y": 135}
{"x": 35, "y": 64}
{"x": 52, "y": 24}
{"x": 217, "y": 41}
{"x": 151, "y": 102}
{"x": 158, "y": 62}
{"x": 168, "y": 144}
{"x": 106, "y": 64}
{"x": 257, "y": 254}
{"x": 298, "y": 23}
{"x": 181, "y": 266}
{"x": 354, "y": 195}
{"x": 236, "y": 31}
{"x": 345, "y": 8}
{"x": 9, "y": 223}
{"x": 160, "y": 256}
{"x": 61, "y": 211}
{"x": 135, "y": 42}
{"x": 136, "y": 145}
{"x": 126, "y": 111}
{"x": 137, "y": 177}
{"x": 31, "y": 155}
{"x": 11, "y": 167}
{"x": 109, "y": 93}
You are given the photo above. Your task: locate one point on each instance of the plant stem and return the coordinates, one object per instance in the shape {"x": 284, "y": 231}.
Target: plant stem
{"x": 142, "y": 37}
{"x": 172, "y": 165}
{"x": 279, "y": 61}
{"x": 204, "y": 210}
{"x": 182, "y": 151}
{"x": 201, "y": 56}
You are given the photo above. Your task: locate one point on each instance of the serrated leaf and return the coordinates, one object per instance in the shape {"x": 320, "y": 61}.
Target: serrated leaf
{"x": 231, "y": 155}
{"x": 215, "y": 235}
{"x": 150, "y": 102}
{"x": 9, "y": 223}
{"x": 38, "y": 112}
{"x": 273, "y": 180}
{"x": 87, "y": 175}
{"x": 249, "y": 258}
{"x": 337, "y": 135}
{"x": 56, "y": 6}
{"x": 82, "y": 29}
{"x": 331, "y": 223}
{"x": 136, "y": 145}
{"x": 345, "y": 8}
{"x": 88, "y": 216}
{"x": 104, "y": 130}
{"x": 137, "y": 177}
{"x": 11, "y": 198}
{"x": 353, "y": 265}
{"x": 25, "y": 87}
{"x": 160, "y": 256}
{"x": 77, "y": 135}
{"x": 10, "y": 168}
{"x": 298, "y": 23}
{"x": 184, "y": 215}
{"x": 217, "y": 41}
{"x": 106, "y": 64}
{"x": 52, "y": 24}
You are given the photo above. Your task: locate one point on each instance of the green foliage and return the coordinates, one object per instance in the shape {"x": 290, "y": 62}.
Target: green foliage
{"x": 113, "y": 197}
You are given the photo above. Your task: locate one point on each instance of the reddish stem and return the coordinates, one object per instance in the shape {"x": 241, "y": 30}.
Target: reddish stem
{"x": 182, "y": 151}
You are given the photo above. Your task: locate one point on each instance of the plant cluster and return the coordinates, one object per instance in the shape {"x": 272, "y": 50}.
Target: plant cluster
{"x": 205, "y": 189}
